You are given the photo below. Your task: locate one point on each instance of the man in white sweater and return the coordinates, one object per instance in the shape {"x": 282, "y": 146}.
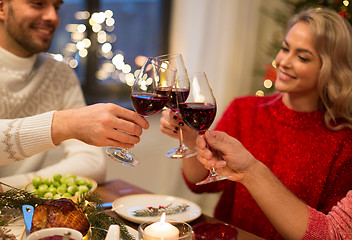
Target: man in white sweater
{"x": 42, "y": 105}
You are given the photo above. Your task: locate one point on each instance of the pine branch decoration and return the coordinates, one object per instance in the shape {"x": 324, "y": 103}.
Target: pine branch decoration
{"x": 15, "y": 198}
{"x": 168, "y": 210}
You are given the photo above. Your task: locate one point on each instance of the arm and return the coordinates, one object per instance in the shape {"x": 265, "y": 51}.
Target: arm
{"x": 286, "y": 212}
{"x": 193, "y": 170}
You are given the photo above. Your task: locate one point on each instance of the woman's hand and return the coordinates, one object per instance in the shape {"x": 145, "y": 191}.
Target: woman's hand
{"x": 225, "y": 153}
{"x": 171, "y": 123}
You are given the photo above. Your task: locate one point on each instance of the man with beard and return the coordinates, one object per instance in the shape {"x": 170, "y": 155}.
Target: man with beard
{"x": 42, "y": 105}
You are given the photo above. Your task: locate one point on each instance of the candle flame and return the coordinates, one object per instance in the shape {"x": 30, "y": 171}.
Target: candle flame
{"x": 162, "y": 219}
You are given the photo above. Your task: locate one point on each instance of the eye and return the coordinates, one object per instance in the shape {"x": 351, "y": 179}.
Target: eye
{"x": 285, "y": 49}
{"x": 303, "y": 59}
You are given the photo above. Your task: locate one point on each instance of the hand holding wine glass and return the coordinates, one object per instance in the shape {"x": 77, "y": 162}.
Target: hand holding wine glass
{"x": 198, "y": 112}
{"x": 182, "y": 86}
{"x": 149, "y": 95}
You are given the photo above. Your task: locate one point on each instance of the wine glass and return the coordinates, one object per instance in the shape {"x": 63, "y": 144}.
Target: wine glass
{"x": 149, "y": 94}
{"x": 198, "y": 112}
{"x": 182, "y": 86}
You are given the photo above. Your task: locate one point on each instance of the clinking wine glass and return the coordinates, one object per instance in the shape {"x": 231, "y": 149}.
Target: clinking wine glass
{"x": 149, "y": 95}
{"x": 182, "y": 86}
{"x": 198, "y": 112}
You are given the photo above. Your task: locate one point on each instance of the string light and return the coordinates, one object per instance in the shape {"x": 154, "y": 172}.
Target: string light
{"x": 101, "y": 23}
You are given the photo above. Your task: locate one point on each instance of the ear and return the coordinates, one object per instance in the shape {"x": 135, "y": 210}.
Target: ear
{"x": 2, "y": 9}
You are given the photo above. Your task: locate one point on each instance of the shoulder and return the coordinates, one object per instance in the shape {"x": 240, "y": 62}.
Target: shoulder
{"x": 58, "y": 70}
{"x": 49, "y": 61}
{"x": 252, "y": 102}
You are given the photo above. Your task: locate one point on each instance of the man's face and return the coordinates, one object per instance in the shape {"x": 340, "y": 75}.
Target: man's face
{"x": 28, "y": 26}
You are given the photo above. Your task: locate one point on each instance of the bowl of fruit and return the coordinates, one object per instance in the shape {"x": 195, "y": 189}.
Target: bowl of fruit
{"x": 61, "y": 186}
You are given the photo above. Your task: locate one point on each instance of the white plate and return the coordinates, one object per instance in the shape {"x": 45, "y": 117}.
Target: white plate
{"x": 124, "y": 206}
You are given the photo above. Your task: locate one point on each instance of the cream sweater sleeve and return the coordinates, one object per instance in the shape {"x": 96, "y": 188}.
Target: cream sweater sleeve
{"x": 24, "y": 137}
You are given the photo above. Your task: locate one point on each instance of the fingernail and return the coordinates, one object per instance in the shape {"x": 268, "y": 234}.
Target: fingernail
{"x": 175, "y": 131}
{"x": 181, "y": 124}
{"x": 176, "y": 128}
{"x": 174, "y": 117}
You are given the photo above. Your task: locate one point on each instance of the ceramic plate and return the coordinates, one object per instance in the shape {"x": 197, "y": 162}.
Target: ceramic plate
{"x": 125, "y": 207}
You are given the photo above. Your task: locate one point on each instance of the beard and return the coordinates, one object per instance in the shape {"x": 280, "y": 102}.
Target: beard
{"x": 21, "y": 35}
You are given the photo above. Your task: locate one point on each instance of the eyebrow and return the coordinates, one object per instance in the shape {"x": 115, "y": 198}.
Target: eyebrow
{"x": 299, "y": 49}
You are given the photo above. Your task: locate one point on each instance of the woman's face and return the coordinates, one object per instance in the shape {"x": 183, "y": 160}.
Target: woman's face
{"x": 298, "y": 63}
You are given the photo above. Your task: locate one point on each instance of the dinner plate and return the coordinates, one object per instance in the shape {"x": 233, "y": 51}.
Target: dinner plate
{"x": 125, "y": 207}
{"x": 132, "y": 231}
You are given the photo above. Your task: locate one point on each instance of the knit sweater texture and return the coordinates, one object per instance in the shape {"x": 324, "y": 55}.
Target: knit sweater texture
{"x": 31, "y": 90}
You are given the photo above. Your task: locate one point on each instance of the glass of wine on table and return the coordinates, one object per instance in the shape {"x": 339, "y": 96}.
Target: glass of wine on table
{"x": 198, "y": 112}
{"x": 149, "y": 95}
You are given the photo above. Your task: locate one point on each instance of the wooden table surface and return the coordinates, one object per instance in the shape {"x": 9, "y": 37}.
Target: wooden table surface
{"x": 114, "y": 189}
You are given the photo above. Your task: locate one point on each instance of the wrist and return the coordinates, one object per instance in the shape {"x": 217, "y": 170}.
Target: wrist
{"x": 59, "y": 128}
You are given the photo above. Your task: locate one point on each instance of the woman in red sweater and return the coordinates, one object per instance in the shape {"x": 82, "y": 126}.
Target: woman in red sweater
{"x": 303, "y": 133}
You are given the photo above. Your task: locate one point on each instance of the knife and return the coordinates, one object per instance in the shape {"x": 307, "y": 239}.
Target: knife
{"x": 28, "y": 216}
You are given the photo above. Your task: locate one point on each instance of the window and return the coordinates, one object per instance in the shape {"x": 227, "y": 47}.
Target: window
{"x": 102, "y": 39}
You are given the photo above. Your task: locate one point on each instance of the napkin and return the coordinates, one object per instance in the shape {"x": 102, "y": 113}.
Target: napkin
{"x": 113, "y": 233}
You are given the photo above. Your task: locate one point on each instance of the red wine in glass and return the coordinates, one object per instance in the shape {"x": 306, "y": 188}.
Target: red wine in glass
{"x": 182, "y": 95}
{"x": 181, "y": 84}
{"x": 154, "y": 76}
{"x": 198, "y": 116}
{"x": 198, "y": 112}
{"x": 147, "y": 104}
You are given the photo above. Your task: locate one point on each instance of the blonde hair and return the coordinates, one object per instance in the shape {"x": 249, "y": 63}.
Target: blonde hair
{"x": 333, "y": 41}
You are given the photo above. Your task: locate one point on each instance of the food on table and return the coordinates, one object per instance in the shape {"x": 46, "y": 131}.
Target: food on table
{"x": 56, "y": 237}
{"x": 58, "y": 186}
{"x": 59, "y": 213}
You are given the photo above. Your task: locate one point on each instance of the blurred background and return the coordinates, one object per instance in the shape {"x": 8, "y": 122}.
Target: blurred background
{"x": 233, "y": 41}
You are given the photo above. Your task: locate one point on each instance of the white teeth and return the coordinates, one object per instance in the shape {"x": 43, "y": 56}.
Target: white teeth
{"x": 43, "y": 31}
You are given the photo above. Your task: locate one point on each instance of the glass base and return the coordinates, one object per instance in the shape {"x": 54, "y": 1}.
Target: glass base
{"x": 122, "y": 156}
{"x": 213, "y": 177}
{"x": 181, "y": 152}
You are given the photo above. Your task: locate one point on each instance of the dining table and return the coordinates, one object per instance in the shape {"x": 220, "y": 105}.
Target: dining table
{"x": 114, "y": 189}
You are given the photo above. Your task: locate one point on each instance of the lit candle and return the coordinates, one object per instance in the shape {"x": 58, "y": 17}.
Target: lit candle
{"x": 161, "y": 230}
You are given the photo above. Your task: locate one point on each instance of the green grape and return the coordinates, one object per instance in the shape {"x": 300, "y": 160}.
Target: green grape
{"x": 72, "y": 189}
{"x": 66, "y": 195}
{"x": 47, "y": 181}
{"x": 62, "y": 189}
{"x": 57, "y": 196}
{"x": 56, "y": 183}
{"x": 42, "y": 189}
{"x": 83, "y": 189}
{"x": 81, "y": 181}
{"x": 57, "y": 177}
{"x": 52, "y": 190}
{"x": 48, "y": 195}
{"x": 70, "y": 181}
{"x": 36, "y": 181}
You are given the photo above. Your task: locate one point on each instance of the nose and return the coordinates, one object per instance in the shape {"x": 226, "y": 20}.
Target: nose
{"x": 51, "y": 14}
{"x": 284, "y": 60}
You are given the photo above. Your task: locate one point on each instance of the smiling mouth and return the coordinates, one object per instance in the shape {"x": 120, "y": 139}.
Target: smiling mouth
{"x": 284, "y": 76}
{"x": 44, "y": 31}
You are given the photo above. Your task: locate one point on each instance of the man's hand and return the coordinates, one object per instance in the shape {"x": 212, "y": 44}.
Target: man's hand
{"x": 100, "y": 125}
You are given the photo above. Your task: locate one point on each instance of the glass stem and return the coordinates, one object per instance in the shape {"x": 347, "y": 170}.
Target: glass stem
{"x": 180, "y": 137}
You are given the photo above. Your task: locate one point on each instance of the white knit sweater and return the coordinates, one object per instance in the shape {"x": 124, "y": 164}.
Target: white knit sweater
{"x": 31, "y": 89}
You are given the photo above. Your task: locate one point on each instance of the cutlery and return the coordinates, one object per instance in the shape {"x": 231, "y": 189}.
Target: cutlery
{"x": 28, "y": 216}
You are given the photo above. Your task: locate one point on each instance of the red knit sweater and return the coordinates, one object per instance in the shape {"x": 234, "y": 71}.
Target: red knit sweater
{"x": 314, "y": 162}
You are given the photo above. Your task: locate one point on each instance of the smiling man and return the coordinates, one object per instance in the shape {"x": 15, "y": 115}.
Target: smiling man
{"x": 42, "y": 105}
